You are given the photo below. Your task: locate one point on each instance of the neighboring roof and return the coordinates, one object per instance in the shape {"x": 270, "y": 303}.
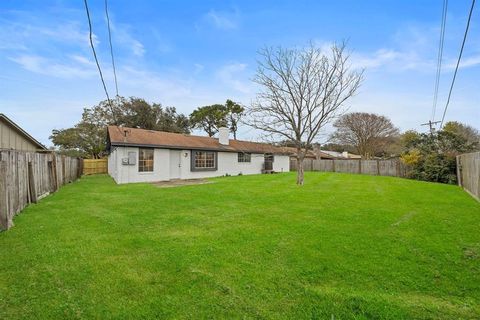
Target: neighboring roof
{"x": 22, "y": 132}
{"x": 310, "y": 153}
{"x": 169, "y": 140}
{"x": 341, "y": 155}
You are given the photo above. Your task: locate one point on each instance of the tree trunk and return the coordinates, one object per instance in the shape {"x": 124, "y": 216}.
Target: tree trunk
{"x": 300, "y": 167}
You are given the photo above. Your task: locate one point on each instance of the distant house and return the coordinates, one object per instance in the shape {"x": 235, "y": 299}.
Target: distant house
{"x": 12, "y": 137}
{"x": 342, "y": 155}
{"x": 311, "y": 154}
{"x": 320, "y": 154}
{"x": 138, "y": 155}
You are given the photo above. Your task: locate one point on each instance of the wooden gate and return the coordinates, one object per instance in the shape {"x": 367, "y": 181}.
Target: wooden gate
{"x": 95, "y": 166}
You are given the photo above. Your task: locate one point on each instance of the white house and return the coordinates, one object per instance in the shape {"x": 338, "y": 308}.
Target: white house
{"x": 138, "y": 155}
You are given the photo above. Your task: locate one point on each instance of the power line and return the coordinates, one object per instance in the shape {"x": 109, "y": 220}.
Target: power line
{"x": 111, "y": 47}
{"x": 96, "y": 60}
{"x": 439, "y": 58}
{"x": 458, "y": 62}
{"x": 431, "y": 125}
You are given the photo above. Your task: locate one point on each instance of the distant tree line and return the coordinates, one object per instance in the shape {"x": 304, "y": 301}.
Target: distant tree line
{"x": 88, "y": 137}
{"x": 431, "y": 156}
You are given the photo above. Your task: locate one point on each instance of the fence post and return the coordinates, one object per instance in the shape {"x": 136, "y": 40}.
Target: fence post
{"x": 459, "y": 171}
{"x": 79, "y": 167}
{"x": 54, "y": 172}
{"x": 333, "y": 165}
{"x": 31, "y": 183}
{"x": 4, "y": 225}
{"x": 64, "y": 171}
{"x": 378, "y": 167}
{"x": 360, "y": 166}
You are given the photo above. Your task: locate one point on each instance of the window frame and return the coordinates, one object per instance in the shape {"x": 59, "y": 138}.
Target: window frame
{"x": 268, "y": 156}
{"x": 193, "y": 155}
{"x": 248, "y": 158}
{"x": 141, "y": 162}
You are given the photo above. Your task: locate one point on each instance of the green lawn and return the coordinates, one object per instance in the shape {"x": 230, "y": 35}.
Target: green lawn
{"x": 341, "y": 247}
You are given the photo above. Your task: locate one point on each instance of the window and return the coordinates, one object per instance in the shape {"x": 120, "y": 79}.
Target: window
{"x": 269, "y": 157}
{"x": 204, "y": 160}
{"x": 244, "y": 157}
{"x": 145, "y": 160}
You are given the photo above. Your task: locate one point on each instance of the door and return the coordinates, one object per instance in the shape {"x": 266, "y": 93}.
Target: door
{"x": 268, "y": 162}
{"x": 175, "y": 164}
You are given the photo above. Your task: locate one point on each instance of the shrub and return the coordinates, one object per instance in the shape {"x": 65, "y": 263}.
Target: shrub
{"x": 431, "y": 157}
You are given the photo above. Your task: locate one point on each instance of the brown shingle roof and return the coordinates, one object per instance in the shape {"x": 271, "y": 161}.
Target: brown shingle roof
{"x": 169, "y": 140}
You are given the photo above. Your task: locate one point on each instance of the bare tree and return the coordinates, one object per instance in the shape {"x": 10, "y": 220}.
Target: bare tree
{"x": 302, "y": 90}
{"x": 369, "y": 133}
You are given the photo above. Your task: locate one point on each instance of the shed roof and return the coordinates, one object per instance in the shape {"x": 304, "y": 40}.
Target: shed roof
{"x": 17, "y": 128}
{"x": 124, "y": 136}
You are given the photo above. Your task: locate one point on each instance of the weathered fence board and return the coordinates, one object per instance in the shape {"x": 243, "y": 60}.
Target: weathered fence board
{"x": 26, "y": 177}
{"x": 394, "y": 168}
{"x": 468, "y": 173}
{"x": 95, "y": 166}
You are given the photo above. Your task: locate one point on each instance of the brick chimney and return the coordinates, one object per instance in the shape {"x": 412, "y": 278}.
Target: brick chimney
{"x": 223, "y": 135}
{"x": 125, "y": 134}
{"x": 316, "y": 150}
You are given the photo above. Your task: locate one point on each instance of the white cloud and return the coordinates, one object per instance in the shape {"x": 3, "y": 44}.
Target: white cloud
{"x": 70, "y": 32}
{"x": 198, "y": 68}
{"x": 375, "y": 60}
{"x": 122, "y": 35}
{"x": 75, "y": 67}
{"x": 466, "y": 62}
{"x": 138, "y": 81}
{"x": 222, "y": 19}
{"x": 233, "y": 75}
{"x": 162, "y": 44}
{"x": 28, "y": 34}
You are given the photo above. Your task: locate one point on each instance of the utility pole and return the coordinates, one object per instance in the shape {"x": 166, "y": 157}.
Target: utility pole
{"x": 431, "y": 124}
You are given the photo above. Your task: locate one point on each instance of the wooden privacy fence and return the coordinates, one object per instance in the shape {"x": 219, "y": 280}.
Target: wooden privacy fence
{"x": 95, "y": 166}
{"x": 394, "y": 168}
{"x": 26, "y": 177}
{"x": 468, "y": 173}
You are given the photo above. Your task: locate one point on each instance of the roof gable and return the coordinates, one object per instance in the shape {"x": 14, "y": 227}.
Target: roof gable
{"x": 17, "y": 128}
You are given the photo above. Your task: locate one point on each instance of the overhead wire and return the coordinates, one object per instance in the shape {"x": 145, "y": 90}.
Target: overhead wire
{"x": 111, "y": 48}
{"x": 96, "y": 60}
{"x": 439, "y": 58}
{"x": 458, "y": 63}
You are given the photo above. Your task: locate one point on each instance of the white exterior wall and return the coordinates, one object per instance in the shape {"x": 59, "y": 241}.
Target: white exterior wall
{"x": 281, "y": 163}
{"x": 129, "y": 173}
{"x": 113, "y": 164}
{"x": 163, "y": 169}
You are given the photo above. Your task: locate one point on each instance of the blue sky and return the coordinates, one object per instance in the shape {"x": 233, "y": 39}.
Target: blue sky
{"x": 192, "y": 53}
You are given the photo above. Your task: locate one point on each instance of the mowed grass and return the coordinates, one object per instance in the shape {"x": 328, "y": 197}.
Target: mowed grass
{"x": 341, "y": 247}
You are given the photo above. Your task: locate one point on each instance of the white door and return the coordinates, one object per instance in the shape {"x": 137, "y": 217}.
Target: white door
{"x": 175, "y": 164}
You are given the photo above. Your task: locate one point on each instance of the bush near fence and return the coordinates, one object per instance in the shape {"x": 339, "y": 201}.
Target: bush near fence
{"x": 26, "y": 177}
{"x": 468, "y": 173}
{"x": 394, "y": 167}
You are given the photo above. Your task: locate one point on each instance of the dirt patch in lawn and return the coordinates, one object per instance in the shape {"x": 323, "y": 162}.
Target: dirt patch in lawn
{"x": 179, "y": 183}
